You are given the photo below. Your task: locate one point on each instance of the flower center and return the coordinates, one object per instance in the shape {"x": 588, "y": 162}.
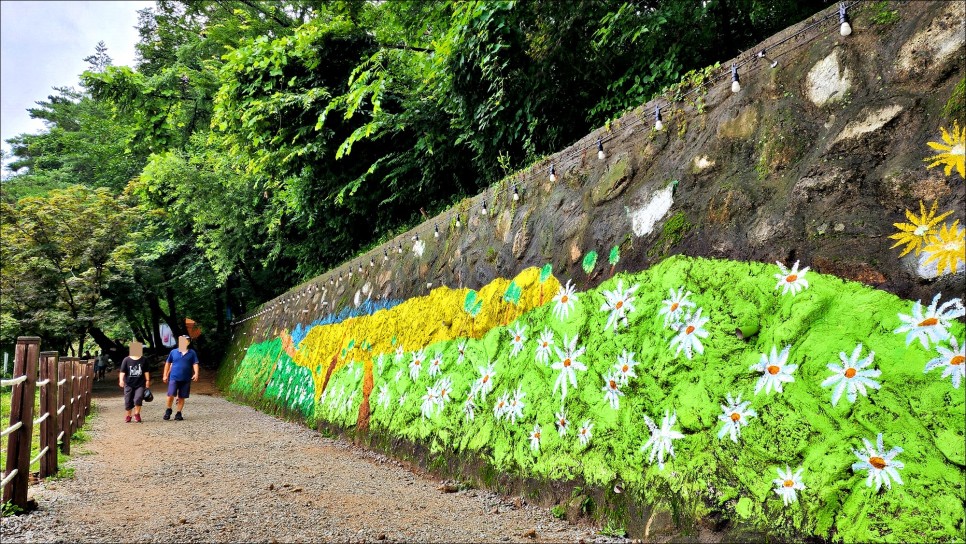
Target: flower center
{"x": 788, "y": 483}
{"x": 849, "y": 372}
{"x": 417, "y": 363}
{"x": 613, "y": 384}
{"x": 958, "y": 149}
{"x": 791, "y": 278}
{"x": 563, "y": 299}
{"x": 624, "y": 369}
{"x": 545, "y": 345}
{"x": 619, "y": 304}
{"x": 773, "y": 369}
{"x": 957, "y": 360}
{"x": 674, "y": 306}
{"x": 566, "y": 363}
{"x": 689, "y": 329}
{"x": 928, "y": 322}
{"x": 921, "y": 230}
{"x": 877, "y": 462}
{"x": 516, "y": 338}
{"x": 735, "y": 416}
{"x": 486, "y": 379}
{"x": 536, "y": 435}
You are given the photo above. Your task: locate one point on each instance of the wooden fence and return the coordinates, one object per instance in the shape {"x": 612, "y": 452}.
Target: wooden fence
{"x": 65, "y": 385}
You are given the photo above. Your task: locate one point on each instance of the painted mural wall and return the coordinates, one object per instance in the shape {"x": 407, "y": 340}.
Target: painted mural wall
{"x": 780, "y": 399}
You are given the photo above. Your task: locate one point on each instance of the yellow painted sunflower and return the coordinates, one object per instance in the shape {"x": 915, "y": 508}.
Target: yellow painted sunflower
{"x": 948, "y": 247}
{"x": 919, "y": 230}
{"x": 953, "y": 153}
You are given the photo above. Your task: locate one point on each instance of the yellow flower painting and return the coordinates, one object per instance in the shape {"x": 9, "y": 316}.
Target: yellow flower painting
{"x": 947, "y": 248}
{"x": 952, "y": 153}
{"x": 918, "y": 232}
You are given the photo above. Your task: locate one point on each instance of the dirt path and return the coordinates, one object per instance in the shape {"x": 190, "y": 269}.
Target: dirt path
{"x": 229, "y": 473}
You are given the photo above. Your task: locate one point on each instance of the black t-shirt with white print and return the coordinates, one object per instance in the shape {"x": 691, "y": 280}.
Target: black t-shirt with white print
{"x": 133, "y": 370}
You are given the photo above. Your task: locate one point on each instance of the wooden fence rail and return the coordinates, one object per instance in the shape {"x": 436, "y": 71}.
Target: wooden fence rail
{"x": 65, "y": 386}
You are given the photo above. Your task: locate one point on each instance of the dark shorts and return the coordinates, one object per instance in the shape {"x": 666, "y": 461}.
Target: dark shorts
{"x": 179, "y": 389}
{"x": 133, "y": 396}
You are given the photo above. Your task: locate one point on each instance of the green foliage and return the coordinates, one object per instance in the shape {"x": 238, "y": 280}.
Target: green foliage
{"x": 558, "y": 511}
{"x": 882, "y": 15}
{"x": 673, "y": 231}
{"x": 614, "y": 528}
{"x": 10, "y": 509}
{"x": 955, "y": 107}
{"x": 589, "y": 262}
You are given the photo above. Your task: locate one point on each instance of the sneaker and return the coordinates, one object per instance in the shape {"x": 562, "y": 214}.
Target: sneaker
{"x": 178, "y": 417}
{"x": 127, "y": 419}
{"x": 137, "y": 417}
{"x": 167, "y": 414}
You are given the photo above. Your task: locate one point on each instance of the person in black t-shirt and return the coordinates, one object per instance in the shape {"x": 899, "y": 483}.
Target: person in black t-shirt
{"x": 134, "y": 377}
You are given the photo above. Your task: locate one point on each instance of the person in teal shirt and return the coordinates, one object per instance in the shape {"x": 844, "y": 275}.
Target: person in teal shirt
{"x": 180, "y": 369}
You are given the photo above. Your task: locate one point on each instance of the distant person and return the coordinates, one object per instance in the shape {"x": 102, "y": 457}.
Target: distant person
{"x": 100, "y": 365}
{"x": 134, "y": 377}
{"x": 180, "y": 369}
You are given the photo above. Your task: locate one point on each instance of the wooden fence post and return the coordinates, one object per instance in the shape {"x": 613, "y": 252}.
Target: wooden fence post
{"x": 63, "y": 395}
{"x": 48, "y": 405}
{"x": 22, "y": 411}
{"x": 86, "y": 380}
{"x": 71, "y": 365}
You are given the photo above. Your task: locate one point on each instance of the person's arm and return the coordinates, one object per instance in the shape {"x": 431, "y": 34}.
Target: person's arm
{"x": 195, "y": 377}
{"x": 120, "y": 375}
{"x": 167, "y": 371}
{"x": 147, "y": 379}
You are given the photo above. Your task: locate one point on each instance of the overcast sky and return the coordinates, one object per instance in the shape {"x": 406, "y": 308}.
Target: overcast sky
{"x": 43, "y": 45}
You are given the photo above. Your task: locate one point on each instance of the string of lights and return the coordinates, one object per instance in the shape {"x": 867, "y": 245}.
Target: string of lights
{"x": 576, "y": 153}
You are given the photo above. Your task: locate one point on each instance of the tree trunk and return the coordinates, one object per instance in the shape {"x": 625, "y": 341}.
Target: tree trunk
{"x": 113, "y": 349}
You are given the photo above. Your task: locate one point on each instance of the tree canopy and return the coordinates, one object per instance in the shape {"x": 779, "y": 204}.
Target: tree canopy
{"x": 257, "y": 143}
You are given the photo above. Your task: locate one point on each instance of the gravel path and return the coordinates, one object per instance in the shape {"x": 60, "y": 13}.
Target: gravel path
{"x": 229, "y": 473}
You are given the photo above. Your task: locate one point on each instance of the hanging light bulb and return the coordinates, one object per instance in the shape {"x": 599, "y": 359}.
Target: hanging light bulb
{"x": 360, "y": 268}
{"x": 600, "y": 149}
{"x": 436, "y": 231}
{"x": 400, "y": 247}
{"x": 658, "y": 123}
{"x": 372, "y": 262}
{"x": 458, "y": 223}
{"x": 483, "y": 211}
{"x": 735, "y": 84}
{"x": 516, "y": 194}
{"x": 385, "y": 254}
{"x": 553, "y": 173}
{"x": 846, "y": 28}
{"x": 763, "y": 56}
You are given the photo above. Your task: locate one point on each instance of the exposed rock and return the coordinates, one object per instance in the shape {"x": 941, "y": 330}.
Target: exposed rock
{"x": 614, "y": 181}
{"x": 702, "y": 163}
{"x": 521, "y": 241}
{"x": 827, "y": 82}
{"x": 740, "y": 127}
{"x": 927, "y": 53}
{"x": 503, "y": 223}
{"x": 872, "y": 121}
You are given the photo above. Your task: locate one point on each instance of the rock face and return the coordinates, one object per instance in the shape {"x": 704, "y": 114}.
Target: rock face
{"x": 814, "y": 160}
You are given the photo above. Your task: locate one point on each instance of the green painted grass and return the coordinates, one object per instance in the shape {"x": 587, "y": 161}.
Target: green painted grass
{"x": 921, "y": 413}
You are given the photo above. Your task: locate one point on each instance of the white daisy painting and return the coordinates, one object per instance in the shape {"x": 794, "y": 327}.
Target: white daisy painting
{"x": 443, "y": 389}
{"x": 567, "y": 364}
{"x": 484, "y": 384}
{"x": 881, "y": 464}
{"x": 787, "y": 484}
{"x": 791, "y": 280}
{"x": 384, "y": 396}
{"x": 501, "y": 406}
{"x": 624, "y": 367}
{"x": 563, "y": 424}
{"x": 564, "y": 301}
{"x": 735, "y": 415}
{"x": 469, "y": 407}
{"x": 619, "y": 303}
{"x": 416, "y": 364}
{"x": 690, "y": 331}
{"x": 436, "y": 364}
{"x": 673, "y": 307}
{"x": 543, "y": 346}
{"x": 399, "y": 353}
{"x": 853, "y": 376}
{"x": 429, "y": 402}
{"x": 775, "y": 371}
{"x": 517, "y": 338}
{"x": 931, "y": 326}
{"x": 612, "y": 391}
{"x": 660, "y": 443}
{"x": 535, "y": 437}
{"x": 952, "y": 361}
{"x": 514, "y": 410}
{"x": 461, "y": 350}
{"x": 584, "y": 433}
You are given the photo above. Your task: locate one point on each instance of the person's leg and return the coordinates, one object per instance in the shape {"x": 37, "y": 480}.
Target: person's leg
{"x": 138, "y": 401}
{"x": 128, "y": 403}
{"x": 172, "y": 387}
{"x": 184, "y": 389}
